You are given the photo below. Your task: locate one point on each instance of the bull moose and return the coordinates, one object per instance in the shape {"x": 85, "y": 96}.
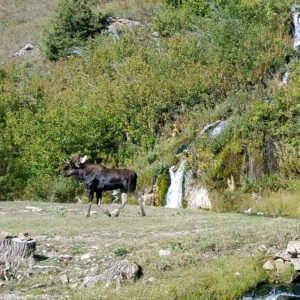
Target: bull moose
{"x": 98, "y": 178}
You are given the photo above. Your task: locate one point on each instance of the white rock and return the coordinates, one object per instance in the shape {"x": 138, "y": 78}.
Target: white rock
{"x": 163, "y": 252}
{"x": 293, "y": 247}
{"x": 33, "y": 208}
{"x": 284, "y": 255}
{"x": 86, "y": 256}
{"x": 151, "y": 279}
{"x": 260, "y": 213}
{"x": 199, "y": 198}
{"x": 64, "y": 278}
{"x": 248, "y": 211}
{"x": 296, "y": 263}
{"x": 26, "y": 48}
{"x": 269, "y": 265}
{"x": 280, "y": 265}
{"x": 94, "y": 212}
{"x": 65, "y": 257}
{"x": 262, "y": 248}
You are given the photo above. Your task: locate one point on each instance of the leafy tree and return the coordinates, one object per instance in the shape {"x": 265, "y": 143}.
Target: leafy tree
{"x": 72, "y": 24}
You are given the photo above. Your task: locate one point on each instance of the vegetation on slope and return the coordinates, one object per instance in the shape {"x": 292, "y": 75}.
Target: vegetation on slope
{"x": 117, "y": 102}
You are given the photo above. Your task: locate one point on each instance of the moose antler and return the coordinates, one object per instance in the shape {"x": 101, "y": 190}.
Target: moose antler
{"x": 66, "y": 161}
{"x": 83, "y": 160}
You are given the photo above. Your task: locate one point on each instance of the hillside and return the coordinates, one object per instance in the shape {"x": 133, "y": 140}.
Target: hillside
{"x": 200, "y": 98}
{"x": 134, "y": 95}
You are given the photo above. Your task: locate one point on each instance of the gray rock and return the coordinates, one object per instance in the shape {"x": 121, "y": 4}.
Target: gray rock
{"x": 163, "y": 267}
{"x": 216, "y": 128}
{"x": 65, "y": 257}
{"x": 255, "y": 196}
{"x": 284, "y": 255}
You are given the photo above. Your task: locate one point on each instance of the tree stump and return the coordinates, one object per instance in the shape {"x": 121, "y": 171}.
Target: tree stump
{"x": 13, "y": 251}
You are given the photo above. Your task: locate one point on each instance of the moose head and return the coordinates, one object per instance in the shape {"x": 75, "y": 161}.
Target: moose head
{"x": 76, "y": 162}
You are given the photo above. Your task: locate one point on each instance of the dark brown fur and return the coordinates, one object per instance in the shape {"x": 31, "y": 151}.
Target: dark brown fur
{"x": 98, "y": 178}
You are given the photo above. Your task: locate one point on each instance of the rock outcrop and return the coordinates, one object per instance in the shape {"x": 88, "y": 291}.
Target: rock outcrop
{"x": 282, "y": 260}
{"x": 196, "y": 195}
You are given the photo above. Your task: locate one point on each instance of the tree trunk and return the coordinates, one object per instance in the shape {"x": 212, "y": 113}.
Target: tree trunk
{"x": 14, "y": 250}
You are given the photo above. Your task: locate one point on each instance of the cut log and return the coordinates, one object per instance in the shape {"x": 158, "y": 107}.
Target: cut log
{"x": 13, "y": 251}
{"x": 15, "y": 248}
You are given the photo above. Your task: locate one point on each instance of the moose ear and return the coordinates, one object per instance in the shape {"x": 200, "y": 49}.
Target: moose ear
{"x": 83, "y": 159}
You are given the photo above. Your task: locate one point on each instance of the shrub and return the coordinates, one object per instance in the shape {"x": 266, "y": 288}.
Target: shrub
{"x": 163, "y": 183}
{"x": 73, "y": 23}
{"x": 197, "y": 7}
{"x": 121, "y": 252}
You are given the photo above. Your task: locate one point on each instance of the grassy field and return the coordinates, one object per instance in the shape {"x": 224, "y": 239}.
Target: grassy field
{"x": 21, "y": 23}
{"x": 212, "y": 255}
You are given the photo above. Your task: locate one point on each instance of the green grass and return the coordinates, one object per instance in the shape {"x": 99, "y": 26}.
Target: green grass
{"x": 213, "y": 255}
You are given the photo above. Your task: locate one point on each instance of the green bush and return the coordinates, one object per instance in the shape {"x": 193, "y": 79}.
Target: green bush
{"x": 163, "y": 183}
{"x": 73, "y": 23}
{"x": 197, "y": 7}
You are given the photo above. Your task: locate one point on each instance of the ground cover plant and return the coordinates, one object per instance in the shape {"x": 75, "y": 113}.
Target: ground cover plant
{"x": 212, "y": 255}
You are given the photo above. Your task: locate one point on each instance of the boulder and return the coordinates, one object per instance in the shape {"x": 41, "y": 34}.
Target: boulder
{"x": 215, "y": 128}
{"x": 269, "y": 265}
{"x": 196, "y": 195}
{"x": 25, "y": 49}
{"x": 199, "y": 198}
{"x": 293, "y": 248}
{"x": 115, "y": 25}
{"x": 283, "y": 255}
{"x": 296, "y": 263}
{"x": 280, "y": 265}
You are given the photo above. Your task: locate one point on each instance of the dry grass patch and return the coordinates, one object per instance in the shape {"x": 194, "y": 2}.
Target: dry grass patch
{"x": 279, "y": 204}
{"x": 21, "y": 23}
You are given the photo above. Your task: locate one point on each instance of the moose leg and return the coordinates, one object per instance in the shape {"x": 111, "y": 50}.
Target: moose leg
{"x": 99, "y": 196}
{"x": 124, "y": 202}
{"x": 90, "y": 196}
